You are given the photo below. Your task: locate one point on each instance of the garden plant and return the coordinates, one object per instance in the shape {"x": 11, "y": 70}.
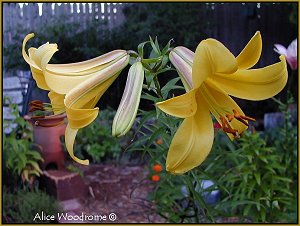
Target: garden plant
{"x": 180, "y": 132}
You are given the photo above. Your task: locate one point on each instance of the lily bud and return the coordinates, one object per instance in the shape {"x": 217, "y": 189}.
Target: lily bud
{"x": 129, "y": 104}
{"x": 182, "y": 59}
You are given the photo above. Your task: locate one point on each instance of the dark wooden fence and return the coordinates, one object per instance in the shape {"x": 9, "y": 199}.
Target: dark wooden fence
{"x": 235, "y": 23}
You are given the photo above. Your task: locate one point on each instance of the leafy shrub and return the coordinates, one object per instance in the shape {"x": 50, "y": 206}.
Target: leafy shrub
{"x": 19, "y": 152}
{"x": 22, "y": 206}
{"x": 254, "y": 184}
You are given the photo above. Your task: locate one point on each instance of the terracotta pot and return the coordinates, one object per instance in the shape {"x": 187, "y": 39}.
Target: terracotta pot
{"x": 47, "y": 132}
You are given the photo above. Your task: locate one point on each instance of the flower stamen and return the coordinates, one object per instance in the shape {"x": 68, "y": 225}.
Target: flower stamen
{"x": 242, "y": 118}
{"x": 227, "y": 128}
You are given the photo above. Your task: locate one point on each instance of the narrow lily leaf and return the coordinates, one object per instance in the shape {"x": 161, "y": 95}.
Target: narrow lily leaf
{"x": 141, "y": 48}
{"x": 152, "y": 60}
{"x": 167, "y": 47}
{"x": 169, "y": 86}
{"x": 128, "y": 107}
{"x": 155, "y": 46}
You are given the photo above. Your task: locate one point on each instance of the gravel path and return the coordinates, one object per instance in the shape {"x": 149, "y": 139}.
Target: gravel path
{"x": 116, "y": 190}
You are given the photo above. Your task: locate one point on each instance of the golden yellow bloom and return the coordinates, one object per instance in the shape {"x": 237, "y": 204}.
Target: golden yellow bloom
{"x": 215, "y": 75}
{"x": 76, "y": 87}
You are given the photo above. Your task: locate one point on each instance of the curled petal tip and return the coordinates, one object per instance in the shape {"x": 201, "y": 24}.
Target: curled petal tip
{"x": 282, "y": 57}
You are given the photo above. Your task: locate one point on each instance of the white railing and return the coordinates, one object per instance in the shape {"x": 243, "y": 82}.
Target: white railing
{"x": 28, "y": 15}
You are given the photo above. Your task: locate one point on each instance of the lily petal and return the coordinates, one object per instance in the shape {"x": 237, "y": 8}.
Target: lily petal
{"x": 57, "y": 102}
{"x": 182, "y": 106}
{"x": 280, "y": 49}
{"x": 87, "y": 66}
{"x": 70, "y": 135}
{"x": 250, "y": 55}
{"x": 64, "y": 84}
{"x": 192, "y": 141}
{"x": 255, "y": 84}
{"x": 221, "y": 104}
{"x": 292, "y": 49}
{"x": 36, "y": 71}
{"x": 211, "y": 57}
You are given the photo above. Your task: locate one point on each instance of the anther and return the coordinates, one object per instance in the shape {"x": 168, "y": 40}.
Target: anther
{"x": 242, "y": 118}
{"x": 229, "y": 117}
{"x": 227, "y": 128}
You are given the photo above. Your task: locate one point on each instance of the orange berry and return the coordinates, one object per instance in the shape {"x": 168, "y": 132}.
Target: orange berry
{"x": 155, "y": 178}
{"x": 159, "y": 141}
{"x": 157, "y": 168}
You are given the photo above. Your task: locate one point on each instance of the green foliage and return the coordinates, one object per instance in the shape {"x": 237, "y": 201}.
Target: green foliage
{"x": 22, "y": 206}
{"x": 96, "y": 142}
{"x": 19, "y": 153}
{"x": 254, "y": 182}
{"x": 256, "y": 179}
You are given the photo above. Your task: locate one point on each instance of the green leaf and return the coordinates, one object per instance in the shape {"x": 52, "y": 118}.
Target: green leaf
{"x": 141, "y": 48}
{"x": 165, "y": 49}
{"x": 257, "y": 178}
{"x": 155, "y": 45}
{"x": 151, "y": 60}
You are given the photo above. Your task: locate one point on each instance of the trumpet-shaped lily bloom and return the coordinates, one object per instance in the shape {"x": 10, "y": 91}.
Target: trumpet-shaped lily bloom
{"x": 76, "y": 87}
{"x": 210, "y": 76}
{"x": 290, "y": 53}
{"x": 129, "y": 104}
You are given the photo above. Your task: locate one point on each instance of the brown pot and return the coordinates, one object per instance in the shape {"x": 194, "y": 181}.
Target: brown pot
{"x": 47, "y": 132}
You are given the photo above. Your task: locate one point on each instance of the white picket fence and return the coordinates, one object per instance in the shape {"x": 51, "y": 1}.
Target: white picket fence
{"x": 29, "y": 15}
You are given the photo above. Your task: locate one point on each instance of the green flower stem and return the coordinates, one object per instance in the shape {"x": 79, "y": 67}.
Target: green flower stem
{"x": 290, "y": 80}
{"x": 157, "y": 86}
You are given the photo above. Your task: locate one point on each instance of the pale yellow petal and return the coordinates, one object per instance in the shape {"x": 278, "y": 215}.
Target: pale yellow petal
{"x": 182, "y": 106}
{"x": 79, "y": 118}
{"x": 211, "y": 57}
{"x": 255, "y": 84}
{"x": 88, "y": 65}
{"x": 192, "y": 141}
{"x": 57, "y": 102}
{"x": 70, "y": 135}
{"x": 64, "y": 84}
{"x": 251, "y": 53}
{"x": 25, "y": 55}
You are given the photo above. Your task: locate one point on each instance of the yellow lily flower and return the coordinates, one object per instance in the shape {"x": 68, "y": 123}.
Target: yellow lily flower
{"x": 216, "y": 74}
{"x": 76, "y": 87}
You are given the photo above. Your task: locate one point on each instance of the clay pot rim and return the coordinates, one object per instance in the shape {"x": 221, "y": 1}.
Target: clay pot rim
{"x": 48, "y": 117}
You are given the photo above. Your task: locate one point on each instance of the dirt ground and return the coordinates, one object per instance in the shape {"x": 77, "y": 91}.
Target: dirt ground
{"x": 119, "y": 190}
